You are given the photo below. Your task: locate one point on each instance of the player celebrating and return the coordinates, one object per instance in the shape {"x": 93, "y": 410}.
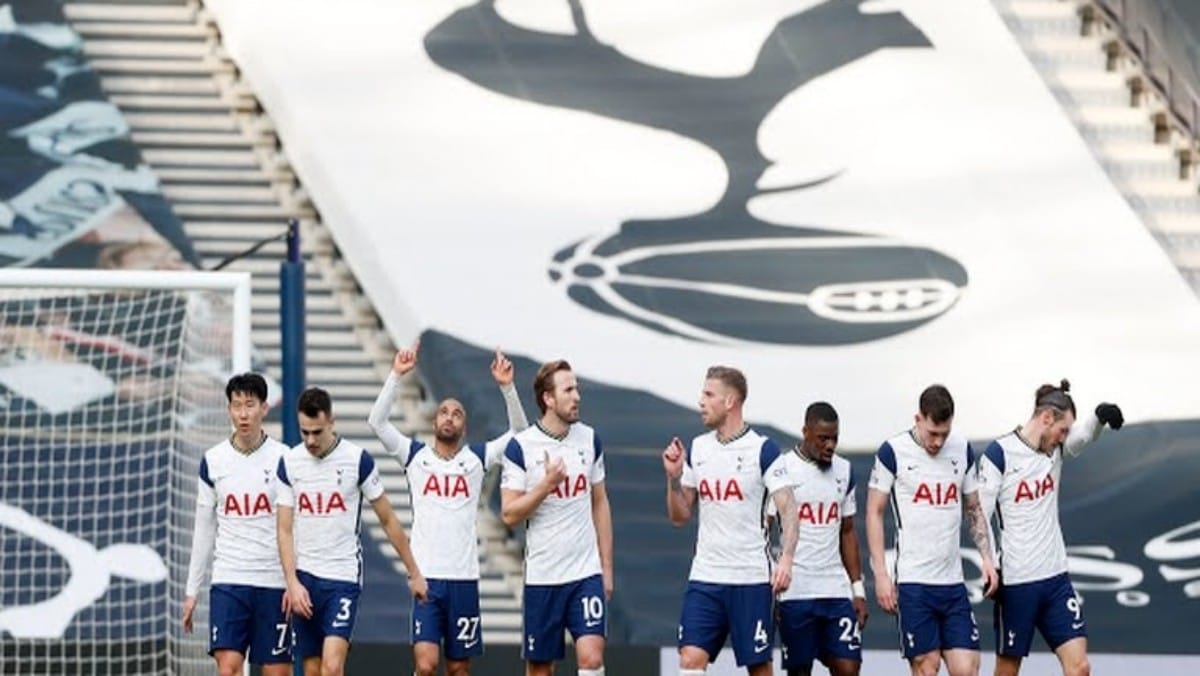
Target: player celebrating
{"x": 817, "y": 617}
{"x": 930, "y": 477}
{"x": 322, "y": 483}
{"x": 235, "y": 533}
{"x": 730, "y": 470}
{"x": 1021, "y": 472}
{"x": 445, "y": 481}
{"x": 554, "y": 482}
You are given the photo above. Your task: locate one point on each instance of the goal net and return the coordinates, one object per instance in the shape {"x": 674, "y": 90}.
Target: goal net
{"x": 111, "y": 387}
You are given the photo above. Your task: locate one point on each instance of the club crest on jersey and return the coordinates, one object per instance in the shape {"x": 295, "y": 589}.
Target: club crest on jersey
{"x": 247, "y": 504}
{"x": 446, "y": 486}
{"x": 819, "y": 513}
{"x": 571, "y": 487}
{"x": 1034, "y": 490}
{"x": 936, "y": 494}
{"x": 321, "y": 503}
{"x": 719, "y": 490}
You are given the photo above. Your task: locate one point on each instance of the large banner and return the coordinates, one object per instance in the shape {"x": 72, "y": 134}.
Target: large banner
{"x": 847, "y": 199}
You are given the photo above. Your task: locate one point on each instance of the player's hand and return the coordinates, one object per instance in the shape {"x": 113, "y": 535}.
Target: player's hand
{"x": 406, "y": 359}
{"x": 991, "y": 579}
{"x": 860, "y": 609}
{"x": 556, "y": 471}
{"x": 189, "y": 609}
{"x": 673, "y": 458}
{"x": 298, "y": 601}
{"x": 608, "y": 584}
{"x": 885, "y": 593}
{"x": 1110, "y": 414}
{"x": 502, "y": 369}
{"x": 781, "y": 577}
{"x": 419, "y": 587}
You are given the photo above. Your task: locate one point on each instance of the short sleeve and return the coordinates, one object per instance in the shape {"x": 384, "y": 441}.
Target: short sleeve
{"x": 970, "y": 480}
{"x": 597, "y": 472}
{"x": 368, "y": 477}
{"x": 284, "y": 495}
{"x": 206, "y": 492}
{"x": 493, "y": 451}
{"x": 689, "y": 475}
{"x": 849, "y": 504}
{"x": 883, "y": 474}
{"x": 513, "y": 476}
{"x": 774, "y": 467}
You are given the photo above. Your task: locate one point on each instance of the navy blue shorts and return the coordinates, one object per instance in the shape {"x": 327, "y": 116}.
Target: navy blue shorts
{"x": 335, "y": 607}
{"x": 577, "y": 607}
{"x": 243, "y": 617}
{"x": 1051, "y": 606}
{"x": 936, "y": 617}
{"x": 742, "y": 612}
{"x": 449, "y": 617}
{"x": 818, "y": 629}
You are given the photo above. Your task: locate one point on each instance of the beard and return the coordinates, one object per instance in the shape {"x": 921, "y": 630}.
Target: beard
{"x": 447, "y": 437}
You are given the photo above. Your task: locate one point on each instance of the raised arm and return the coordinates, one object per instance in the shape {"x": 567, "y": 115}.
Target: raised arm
{"x": 502, "y": 373}
{"x": 394, "y": 441}
{"x": 680, "y": 499}
{"x": 1088, "y": 427}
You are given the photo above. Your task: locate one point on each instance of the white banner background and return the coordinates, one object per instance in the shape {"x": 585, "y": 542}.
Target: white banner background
{"x": 449, "y": 200}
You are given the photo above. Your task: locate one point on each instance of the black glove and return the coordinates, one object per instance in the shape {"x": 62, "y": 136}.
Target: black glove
{"x": 1110, "y": 414}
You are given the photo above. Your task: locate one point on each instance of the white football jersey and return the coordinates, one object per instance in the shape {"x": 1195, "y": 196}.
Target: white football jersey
{"x": 239, "y": 488}
{"x": 326, "y": 495}
{"x": 1024, "y": 484}
{"x": 823, "y": 498}
{"x": 733, "y": 482}
{"x": 927, "y": 502}
{"x": 560, "y": 536}
{"x": 445, "y": 502}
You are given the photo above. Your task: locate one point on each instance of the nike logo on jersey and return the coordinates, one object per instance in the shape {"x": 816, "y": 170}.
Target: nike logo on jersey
{"x": 468, "y": 646}
{"x": 338, "y": 625}
{"x": 592, "y": 623}
{"x": 1076, "y": 625}
{"x": 275, "y": 652}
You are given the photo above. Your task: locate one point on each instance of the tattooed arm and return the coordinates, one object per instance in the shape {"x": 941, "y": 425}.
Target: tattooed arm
{"x": 981, "y": 536}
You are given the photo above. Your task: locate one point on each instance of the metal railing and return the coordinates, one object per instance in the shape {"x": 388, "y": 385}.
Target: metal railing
{"x": 1156, "y": 35}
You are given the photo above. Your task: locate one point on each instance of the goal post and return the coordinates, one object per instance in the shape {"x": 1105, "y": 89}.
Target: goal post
{"x": 111, "y": 388}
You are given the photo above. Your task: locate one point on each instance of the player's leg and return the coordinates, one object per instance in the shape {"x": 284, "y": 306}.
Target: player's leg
{"x": 230, "y": 619}
{"x": 587, "y": 620}
{"x": 308, "y": 633}
{"x": 703, "y": 626}
{"x": 798, "y": 636}
{"x": 544, "y": 611}
{"x": 751, "y": 626}
{"x": 463, "y": 635}
{"x": 333, "y": 656}
{"x": 839, "y": 638}
{"x": 1013, "y": 617}
{"x": 272, "y": 643}
{"x": 920, "y": 628}
{"x": 429, "y": 628}
{"x": 960, "y": 632}
{"x": 337, "y": 613}
{"x": 1061, "y": 622}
